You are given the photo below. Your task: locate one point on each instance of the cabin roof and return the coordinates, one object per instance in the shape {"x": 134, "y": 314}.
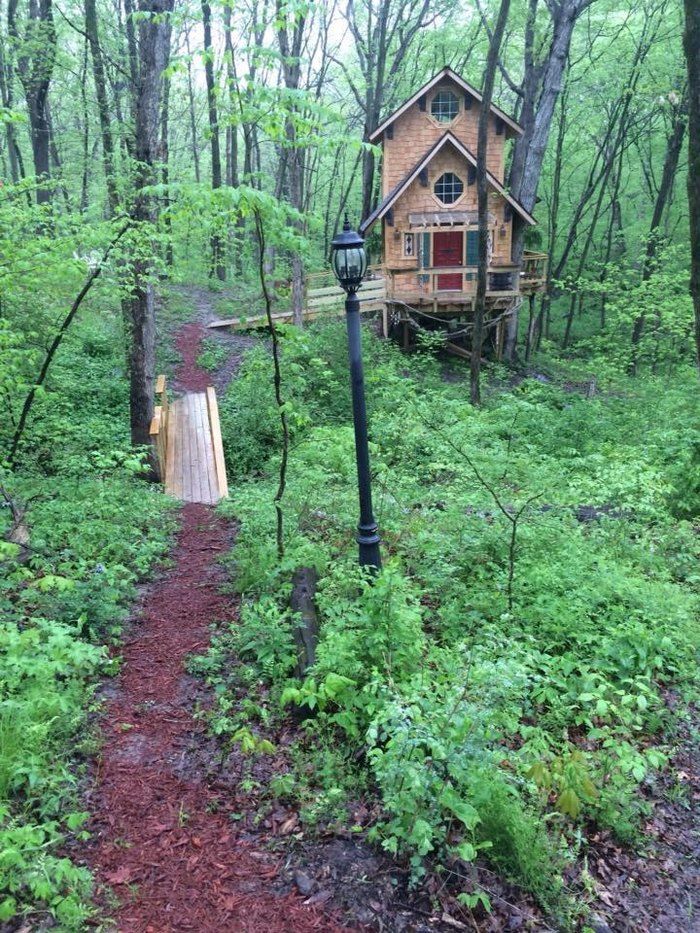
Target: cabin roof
{"x": 411, "y": 176}
{"x": 515, "y": 128}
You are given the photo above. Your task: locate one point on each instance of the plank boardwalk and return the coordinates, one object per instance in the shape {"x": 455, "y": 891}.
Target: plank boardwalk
{"x": 194, "y": 458}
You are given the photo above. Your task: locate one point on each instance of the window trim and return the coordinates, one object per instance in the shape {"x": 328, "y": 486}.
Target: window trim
{"x": 459, "y": 196}
{"x": 433, "y": 96}
{"x": 409, "y": 238}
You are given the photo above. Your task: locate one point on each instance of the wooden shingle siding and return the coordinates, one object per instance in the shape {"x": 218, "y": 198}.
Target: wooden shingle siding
{"x": 419, "y": 199}
{"x": 415, "y": 132}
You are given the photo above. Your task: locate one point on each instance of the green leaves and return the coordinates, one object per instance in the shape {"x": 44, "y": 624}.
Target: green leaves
{"x": 475, "y": 725}
{"x": 465, "y": 812}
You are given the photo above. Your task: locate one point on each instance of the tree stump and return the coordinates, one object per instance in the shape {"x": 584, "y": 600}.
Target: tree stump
{"x": 303, "y": 603}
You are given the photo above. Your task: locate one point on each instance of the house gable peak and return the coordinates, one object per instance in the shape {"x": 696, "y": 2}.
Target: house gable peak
{"x": 512, "y": 128}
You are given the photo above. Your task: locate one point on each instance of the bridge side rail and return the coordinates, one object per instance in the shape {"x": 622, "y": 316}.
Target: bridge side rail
{"x": 158, "y": 430}
{"x": 217, "y": 443}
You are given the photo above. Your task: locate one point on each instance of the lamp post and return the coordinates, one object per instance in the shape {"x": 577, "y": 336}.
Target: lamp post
{"x": 349, "y": 262}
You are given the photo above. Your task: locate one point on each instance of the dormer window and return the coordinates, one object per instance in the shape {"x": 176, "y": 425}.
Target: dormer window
{"x": 448, "y": 188}
{"x": 444, "y": 107}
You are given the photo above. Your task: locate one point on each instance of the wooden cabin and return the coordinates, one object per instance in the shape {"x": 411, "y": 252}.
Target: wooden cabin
{"x": 428, "y": 209}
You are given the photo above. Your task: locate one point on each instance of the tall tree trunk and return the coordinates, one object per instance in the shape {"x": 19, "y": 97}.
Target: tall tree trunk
{"x": 7, "y": 98}
{"x": 165, "y": 168}
{"x": 691, "y": 42}
{"x": 85, "y": 131}
{"x": 232, "y": 128}
{"x": 154, "y": 29}
{"x": 290, "y": 38}
{"x": 218, "y": 267}
{"x": 674, "y": 144}
{"x": 545, "y": 83}
{"x": 98, "y": 74}
{"x": 542, "y": 325}
{"x": 193, "y": 118}
{"x": 483, "y": 200}
{"x": 383, "y": 33}
{"x": 36, "y": 56}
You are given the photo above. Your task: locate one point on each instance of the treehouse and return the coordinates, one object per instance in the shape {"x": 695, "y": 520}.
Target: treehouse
{"x": 428, "y": 211}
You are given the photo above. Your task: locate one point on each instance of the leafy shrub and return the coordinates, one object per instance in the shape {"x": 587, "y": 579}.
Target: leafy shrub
{"x": 94, "y": 532}
{"x": 487, "y": 730}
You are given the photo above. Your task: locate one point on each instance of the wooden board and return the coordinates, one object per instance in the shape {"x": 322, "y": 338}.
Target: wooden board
{"x": 215, "y": 426}
{"x": 194, "y": 461}
{"x": 309, "y": 314}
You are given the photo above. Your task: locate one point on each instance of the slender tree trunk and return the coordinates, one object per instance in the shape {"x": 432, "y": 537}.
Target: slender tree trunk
{"x": 482, "y": 193}
{"x": 55, "y": 344}
{"x": 674, "y": 144}
{"x": 530, "y": 148}
{"x": 85, "y": 132}
{"x": 691, "y": 42}
{"x": 154, "y": 46}
{"x": 232, "y": 179}
{"x": 165, "y": 168}
{"x": 6, "y": 95}
{"x": 218, "y": 267}
{"x": 543, "y": 317}
{"x": 193, "y": 119}
{"x": 35, "y": 63}
{"x": 290, "y": 38}
{"x": 98, "y": 74}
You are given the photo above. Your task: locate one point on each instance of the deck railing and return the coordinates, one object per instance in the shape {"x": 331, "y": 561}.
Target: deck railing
{"x": 533, "y": 276}
{"x": 429, "y": 282}
{"x": 159, "y": 427}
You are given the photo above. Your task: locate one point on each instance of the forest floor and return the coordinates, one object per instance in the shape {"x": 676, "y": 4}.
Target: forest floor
{"x": 180, "y": 844}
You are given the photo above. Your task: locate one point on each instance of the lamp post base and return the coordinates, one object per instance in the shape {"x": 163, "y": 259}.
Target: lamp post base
{"x": 368, "y": 541}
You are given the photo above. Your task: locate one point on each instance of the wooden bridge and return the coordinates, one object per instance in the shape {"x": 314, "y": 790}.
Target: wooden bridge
{"x": 323, "y": 297}
{"x": 384, "y": 287}
{"x": 186, "y": 437}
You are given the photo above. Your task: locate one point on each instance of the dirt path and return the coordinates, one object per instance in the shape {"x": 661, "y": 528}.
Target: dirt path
{"x": 164, "y": 843}
{"x": 189, "y": 338}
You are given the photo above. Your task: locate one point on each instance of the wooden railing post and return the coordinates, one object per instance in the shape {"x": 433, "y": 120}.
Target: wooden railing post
{"x": 159, "y": 428}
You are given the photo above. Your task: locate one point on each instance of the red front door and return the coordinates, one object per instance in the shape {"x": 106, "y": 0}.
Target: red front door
{"x": 448, "y": 250}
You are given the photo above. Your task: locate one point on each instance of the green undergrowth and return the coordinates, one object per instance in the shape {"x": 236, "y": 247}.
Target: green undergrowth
{"x": 497, "y": 694}
{"x": 94, "y": 531}
{"x": 213, "y": 355}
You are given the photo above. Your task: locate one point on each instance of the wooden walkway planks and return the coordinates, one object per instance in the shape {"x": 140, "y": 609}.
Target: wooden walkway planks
{"x": 195, "y": 457}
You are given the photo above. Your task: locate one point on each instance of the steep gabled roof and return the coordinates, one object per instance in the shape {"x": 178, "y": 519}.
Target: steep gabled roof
{"x": 411, "y": 176}
{"x": 515, "y": 128}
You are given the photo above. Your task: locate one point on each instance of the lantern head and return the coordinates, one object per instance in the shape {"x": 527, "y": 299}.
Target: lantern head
{"x": 349, "y": 259}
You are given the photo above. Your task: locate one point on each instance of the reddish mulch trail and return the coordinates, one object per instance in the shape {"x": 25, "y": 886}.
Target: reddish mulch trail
{"x": 162, "y": 838}
{"x": 188, "y": 376}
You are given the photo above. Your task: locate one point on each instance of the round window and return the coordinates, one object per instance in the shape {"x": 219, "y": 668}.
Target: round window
{"x": 448, "y": 188}
{"x": 445, "y": 106}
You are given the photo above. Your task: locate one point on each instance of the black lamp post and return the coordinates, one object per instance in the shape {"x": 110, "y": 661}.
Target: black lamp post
{"x": 349, "y": 262}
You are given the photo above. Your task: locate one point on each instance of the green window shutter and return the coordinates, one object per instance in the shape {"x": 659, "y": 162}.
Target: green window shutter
{"x": 472, "y": 247}
{"x": 423, "y": 250}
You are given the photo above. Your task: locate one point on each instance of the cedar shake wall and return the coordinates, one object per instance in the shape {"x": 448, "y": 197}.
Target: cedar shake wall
{"x": 419, "y": 199}
{"x": 415, "y": 132}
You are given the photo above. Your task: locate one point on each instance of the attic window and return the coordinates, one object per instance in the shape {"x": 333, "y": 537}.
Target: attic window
{"x": 445, "y": 106}
{"x": 449, "y": 188}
